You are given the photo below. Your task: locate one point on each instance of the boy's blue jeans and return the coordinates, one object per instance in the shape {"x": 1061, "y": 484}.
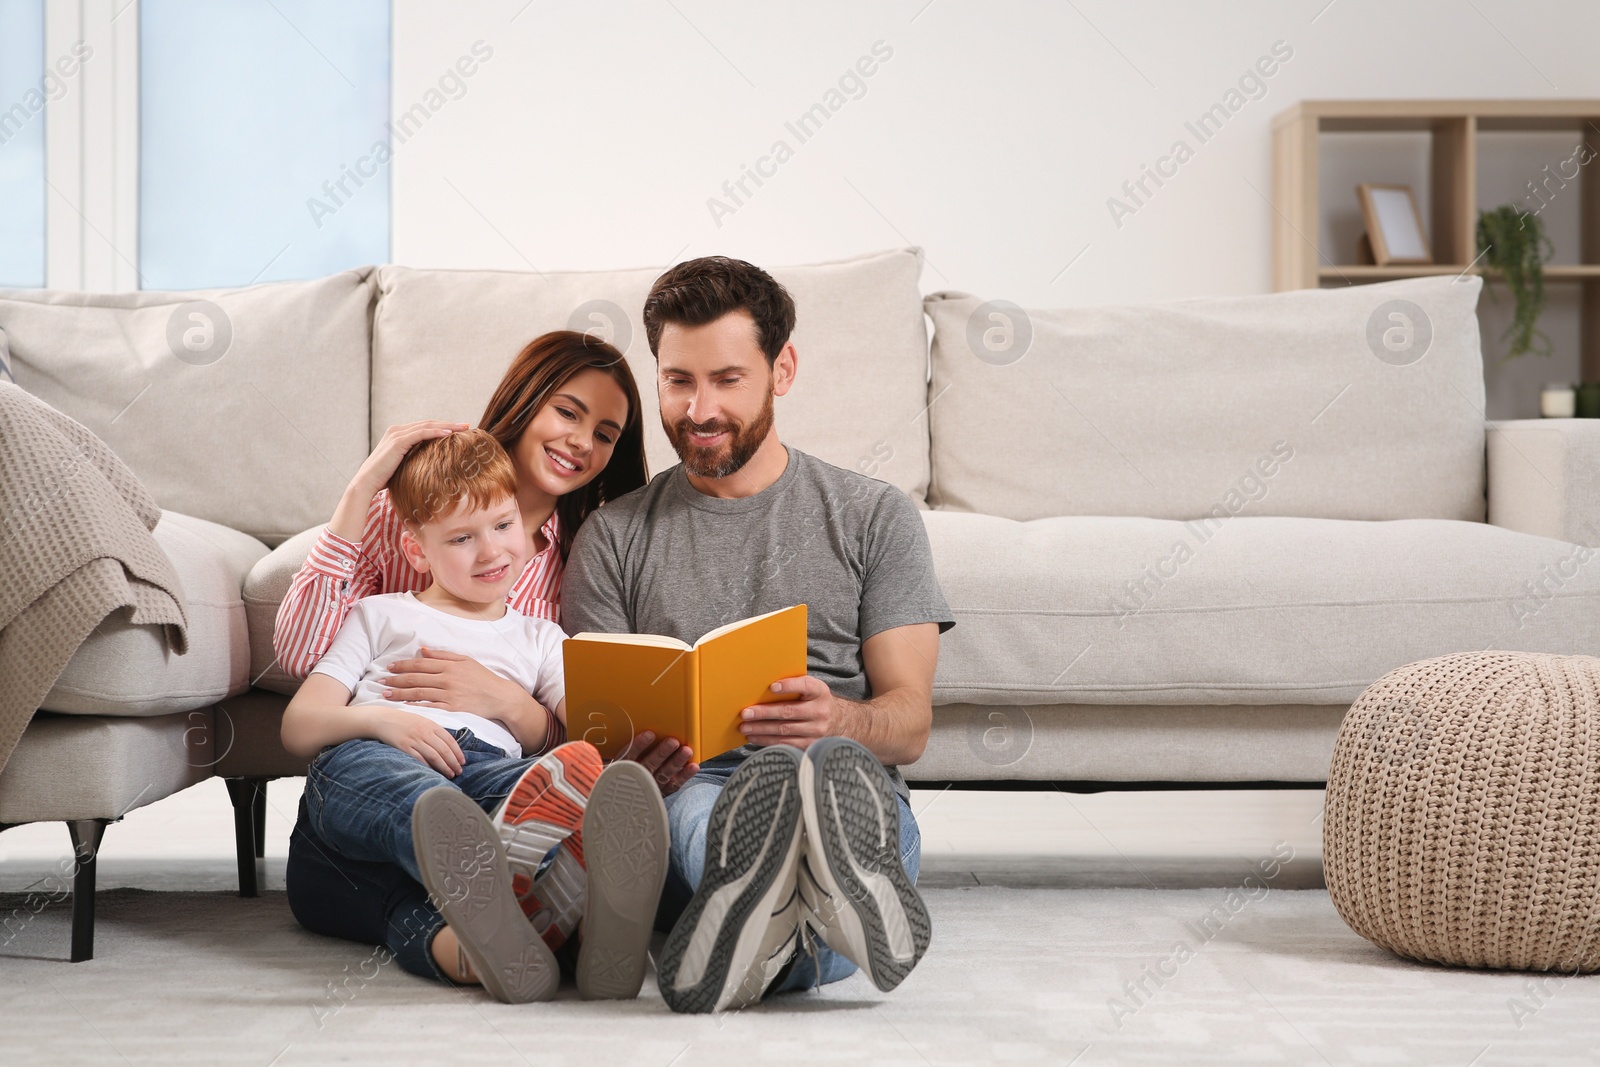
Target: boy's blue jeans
{"x": 352, "y": 870}
{"x": 689, "y": 810}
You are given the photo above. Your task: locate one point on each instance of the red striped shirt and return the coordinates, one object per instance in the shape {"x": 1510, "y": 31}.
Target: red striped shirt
{"x": 337, "y": 573}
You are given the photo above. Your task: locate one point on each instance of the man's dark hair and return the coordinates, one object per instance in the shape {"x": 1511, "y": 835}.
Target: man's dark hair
{"x": 703, "y": 290}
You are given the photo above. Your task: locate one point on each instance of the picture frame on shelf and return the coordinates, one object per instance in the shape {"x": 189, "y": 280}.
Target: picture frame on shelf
{"x": 1394, "y": 225}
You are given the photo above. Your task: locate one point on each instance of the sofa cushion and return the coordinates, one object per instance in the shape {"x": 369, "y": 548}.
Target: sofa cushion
{"x": 1248, "y": 611}
{"x": 1173, "y": 410}
{"x": 1119, "y": 743}
{"x": 264, "y": 589}
{"x": 128, "y": 670}
{"x": 860, "y": 334}
{"x": 257, "y": 420}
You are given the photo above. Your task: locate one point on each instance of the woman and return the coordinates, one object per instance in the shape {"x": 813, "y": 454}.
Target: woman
{"x": 568, "y": 414}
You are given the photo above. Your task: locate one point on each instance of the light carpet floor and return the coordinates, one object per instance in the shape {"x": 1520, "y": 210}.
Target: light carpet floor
{"x": 1030, "y": 975}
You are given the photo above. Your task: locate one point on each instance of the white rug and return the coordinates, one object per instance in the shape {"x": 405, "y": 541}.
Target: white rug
{"x": 1061, "y": 976}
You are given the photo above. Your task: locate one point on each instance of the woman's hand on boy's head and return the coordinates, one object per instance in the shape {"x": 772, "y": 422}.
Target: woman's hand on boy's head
{"x": 421, "y": 738}
{"x": 380, "y": 466}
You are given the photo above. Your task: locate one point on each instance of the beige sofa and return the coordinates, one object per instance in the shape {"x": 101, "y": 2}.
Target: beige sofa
{"x": 1179, "y": 540}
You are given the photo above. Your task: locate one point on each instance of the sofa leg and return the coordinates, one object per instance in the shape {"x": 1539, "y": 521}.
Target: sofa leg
{"x": 86, "y": 834}
{"x": 248, "y": 795}
{"x": 261, "y": 820}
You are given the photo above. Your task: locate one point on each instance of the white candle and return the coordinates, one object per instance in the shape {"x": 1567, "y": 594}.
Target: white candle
{"x": 1558, "y": 400}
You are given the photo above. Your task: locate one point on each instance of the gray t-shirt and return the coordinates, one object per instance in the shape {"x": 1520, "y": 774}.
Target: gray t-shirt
{"x": 667, "y": 559}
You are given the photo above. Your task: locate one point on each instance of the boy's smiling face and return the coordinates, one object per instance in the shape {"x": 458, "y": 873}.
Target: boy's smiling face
{"x": 474, "y": 555}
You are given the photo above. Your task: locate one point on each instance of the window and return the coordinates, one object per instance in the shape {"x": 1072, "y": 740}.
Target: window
{"x": 255, "y": 118}
{"x": 25, "y": 88}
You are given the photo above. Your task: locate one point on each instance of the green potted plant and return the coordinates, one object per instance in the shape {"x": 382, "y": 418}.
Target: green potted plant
{"x": 1513, "y": 244}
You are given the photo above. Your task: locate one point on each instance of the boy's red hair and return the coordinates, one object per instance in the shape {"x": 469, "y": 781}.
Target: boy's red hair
{"x": 437, "y": 475}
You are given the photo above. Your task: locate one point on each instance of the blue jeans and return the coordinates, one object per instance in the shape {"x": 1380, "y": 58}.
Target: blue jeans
{"x": 689, "y": 810}
{"x": 352, "y": 869}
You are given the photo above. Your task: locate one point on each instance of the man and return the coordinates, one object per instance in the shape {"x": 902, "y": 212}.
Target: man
{"x": 815, "y": 850}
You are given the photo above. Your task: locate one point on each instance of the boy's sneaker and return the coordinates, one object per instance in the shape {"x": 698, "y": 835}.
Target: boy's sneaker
{"x": 853, "y": 886}
{"x": 544, "y": 810}
{"x": 739, "y": 928}
{"x": 465, "y": 870}
{"x": 626, "y": 841}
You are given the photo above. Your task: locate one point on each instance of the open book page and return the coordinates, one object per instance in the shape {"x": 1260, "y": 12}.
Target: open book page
{"x": 738, "y": 665}
{"x": 616, "y": 690}
{"x": 712, "y": 635}
{"x": 653, "y": 640}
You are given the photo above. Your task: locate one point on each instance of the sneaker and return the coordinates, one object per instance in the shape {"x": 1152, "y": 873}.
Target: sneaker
{"x": 544, "y": 811}
{"x": 465, "y": 870}
{"x": 853, "y": 887}
{"x": 739, "y": 928}
{"x": 627, "y": 842}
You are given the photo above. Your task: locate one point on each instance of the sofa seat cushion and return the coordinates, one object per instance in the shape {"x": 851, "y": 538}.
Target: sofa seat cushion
{"x": 1118, "y": 743}
{"x": 123, "y": 669}
{"x": 1096, "y": 609}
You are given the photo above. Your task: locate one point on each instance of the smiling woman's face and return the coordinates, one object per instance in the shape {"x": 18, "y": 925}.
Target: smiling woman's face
{"x": 572, "y": 437}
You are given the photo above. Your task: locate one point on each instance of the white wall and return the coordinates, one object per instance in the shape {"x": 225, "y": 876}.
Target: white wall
{"x": 993, "y": 137}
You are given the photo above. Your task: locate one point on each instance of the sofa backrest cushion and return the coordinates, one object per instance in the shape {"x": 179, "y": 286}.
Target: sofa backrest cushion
{"x": 442, "y": 339}
{"x": 245, "y": 407}
{"x": 1315, "y": 403}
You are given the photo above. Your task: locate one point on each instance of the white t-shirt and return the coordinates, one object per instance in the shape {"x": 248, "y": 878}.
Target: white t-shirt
{"x": 394, "y": 626}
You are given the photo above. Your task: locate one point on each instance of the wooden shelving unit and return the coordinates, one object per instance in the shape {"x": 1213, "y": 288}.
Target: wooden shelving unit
{"x": 1366, "y": 272}
{"x": 1453, "y": 127}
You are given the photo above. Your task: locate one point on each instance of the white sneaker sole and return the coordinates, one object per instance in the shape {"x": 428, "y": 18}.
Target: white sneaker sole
{"x": 870, "y": 911}
{"x": 712, "y": 958}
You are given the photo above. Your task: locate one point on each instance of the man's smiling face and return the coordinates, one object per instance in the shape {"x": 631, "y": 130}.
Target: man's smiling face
{"x": 716, "y": 390}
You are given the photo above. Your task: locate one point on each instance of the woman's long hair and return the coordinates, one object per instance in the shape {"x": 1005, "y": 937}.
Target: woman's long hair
{"x": 543, "y": 367}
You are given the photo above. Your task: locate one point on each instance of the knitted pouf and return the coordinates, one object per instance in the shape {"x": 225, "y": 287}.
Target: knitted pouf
{"x": 1462, "y": 822}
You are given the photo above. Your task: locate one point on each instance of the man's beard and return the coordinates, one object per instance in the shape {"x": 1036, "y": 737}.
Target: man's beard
{"x": 725, "y": 459}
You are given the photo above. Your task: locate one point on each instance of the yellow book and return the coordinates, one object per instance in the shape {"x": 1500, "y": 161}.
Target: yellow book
{"x": 620, "y": 685}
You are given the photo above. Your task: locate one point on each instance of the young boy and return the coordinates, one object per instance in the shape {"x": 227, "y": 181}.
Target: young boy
{"x": 377, "y": 757}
